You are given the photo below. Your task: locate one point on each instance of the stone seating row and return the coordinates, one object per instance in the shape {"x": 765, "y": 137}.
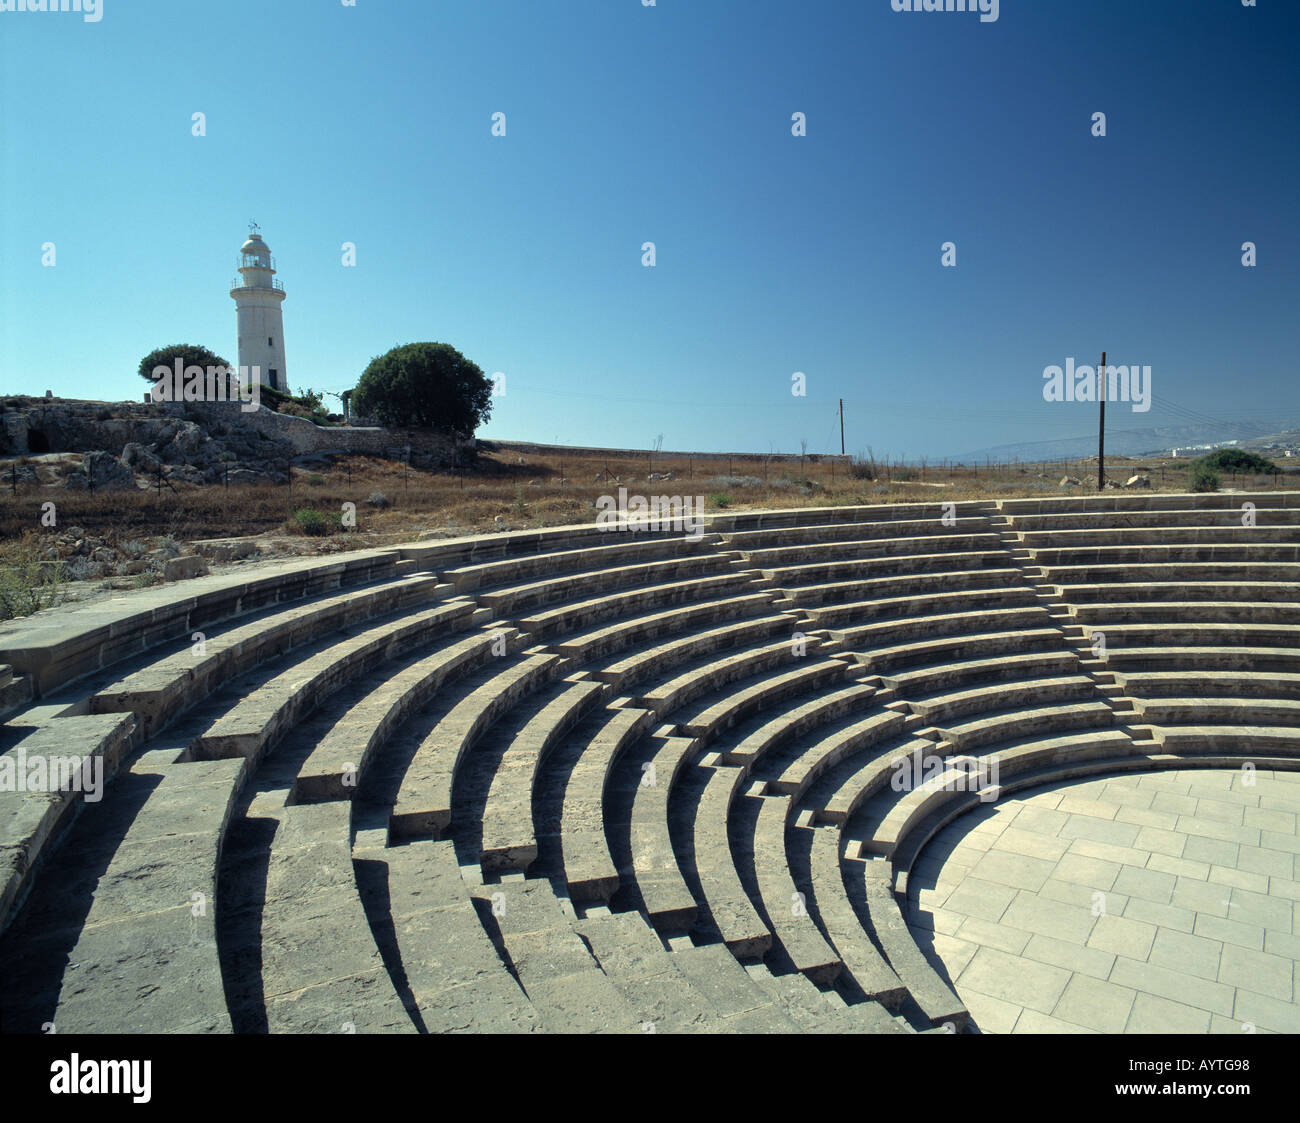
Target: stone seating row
{"x": 168, "y": 685}
{"x": 788, "y": 753}
{"x": 1280, "y": 528}
{"x": 66, "y": 645}
{"x": 34, "y": 809}
{"x": 753, "y": 543}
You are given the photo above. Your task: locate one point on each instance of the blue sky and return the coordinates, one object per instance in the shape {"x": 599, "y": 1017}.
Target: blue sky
{"x": 371, "y": 124}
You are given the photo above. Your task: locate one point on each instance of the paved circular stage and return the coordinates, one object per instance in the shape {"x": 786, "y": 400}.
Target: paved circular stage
{"x": 1156, "y": 902}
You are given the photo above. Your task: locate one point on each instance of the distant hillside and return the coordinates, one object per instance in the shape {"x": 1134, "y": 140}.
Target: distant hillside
{"x": 1137, "y": 442}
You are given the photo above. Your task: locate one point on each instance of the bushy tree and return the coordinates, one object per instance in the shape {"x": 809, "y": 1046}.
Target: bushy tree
{"x": 427, "y": 385}
{"x": 1237, "y": 460}
{"x": 190, "y": 354}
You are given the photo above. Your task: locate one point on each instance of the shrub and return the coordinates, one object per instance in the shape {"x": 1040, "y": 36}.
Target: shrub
{"x": 378, "y": 499}
{"x": 720, "y": 499}
{"x": 27, "y": 583}
{"x": 316, "y": 481}
{"x": 1203, "y": 478}
{"x": 1237, "y": 460}
{"x": 316, "y": 524}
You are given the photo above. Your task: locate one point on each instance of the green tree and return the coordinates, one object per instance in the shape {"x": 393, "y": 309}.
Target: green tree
{"x": 190, "y": 354}
{"x": 428, "y": 385}
{"x": 1237, "y": 460}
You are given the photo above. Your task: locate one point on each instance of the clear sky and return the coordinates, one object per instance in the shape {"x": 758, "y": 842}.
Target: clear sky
{"x": 672, "y": 124}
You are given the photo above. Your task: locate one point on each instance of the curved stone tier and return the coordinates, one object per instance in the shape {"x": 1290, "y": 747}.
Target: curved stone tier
{"x": 579, "y": 780}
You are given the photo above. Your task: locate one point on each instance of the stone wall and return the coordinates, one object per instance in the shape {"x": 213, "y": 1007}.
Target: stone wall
{"x": 427, "y": 449}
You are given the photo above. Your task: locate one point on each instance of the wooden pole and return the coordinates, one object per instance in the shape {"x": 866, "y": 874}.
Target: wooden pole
{"x": 841, "y": 426}
{"x": 1101, "y": 425}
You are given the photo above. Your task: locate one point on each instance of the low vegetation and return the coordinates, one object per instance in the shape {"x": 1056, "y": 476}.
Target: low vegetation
{"x": 28, "y": 582}
{"x": 1237, "y": 460}
{"x": 1203, "y": 478}
{"x": 515, "y": 489}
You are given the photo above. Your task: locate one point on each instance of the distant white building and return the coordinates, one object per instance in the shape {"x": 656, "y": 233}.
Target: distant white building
{"x": 258, "y": 296}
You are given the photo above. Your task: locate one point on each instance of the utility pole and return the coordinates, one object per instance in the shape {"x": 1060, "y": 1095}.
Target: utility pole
{"x": 841, "y": 426}
{"x": 1101, "y": 425}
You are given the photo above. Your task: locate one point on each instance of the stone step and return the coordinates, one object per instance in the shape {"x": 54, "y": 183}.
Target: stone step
{"x": 805, "y": 553}
{"x": 320, "y": 970}
{"x": 785, "y": 898}
{"x": 1170, "y": 572}
{"x": 567, "y": 988}
{"x": 146, "y": 954}
{"x": 1209, "y": 710}
{"x": 743, "y": 931}
{"x": 958, "y": 648}
{"x": 1248, "y": 549}
{"x": 423, "y": 804}
{"x": 456, "y": 981}
{"x": 605, "y": 640}
{"x": 1178, "y": 592}
{"x": 855, "y": 780}
{"x": 899, "y": 585}
{"x": 508, "y": 838}
{"x": 819, "y": 756}
{"x": 940, "y": 708}
{"x": 1028, "y": 721}
{"x": 47, "y": 775}
{"x": 1142, "y": 506}
{"x": 865, "y": 568}
{"x": 869, "y": 882}
{"x": 61, "y": 647}
{"x": 864, "y": 530}
{"x": 718, "y": 711}
{"x": 261, "y": 717}
{"x": 932, "y": 604}
{"x": 870, "y": 972}
{"x": 519, "y": 568}
{"x": 748, "y": 741}
{"x": 648, "y": 976}
{"x": 735, "y": 997}
{"x": 892, "y": 633}
{"x": 1275, "y": 739}
{"x": 657, "y": 661}
{"x": 667, "y": 899}
{"x": 966, "y": 673}
{"x": 1188, "y": 684}
{"x": 533, "y": 595}
{"x": 1180, "y": 634}
{"x": 589, "y": 868}
{"x": 1159, "y": 535}
{"x": 158, "y": 692}
{"x": 548, "y": 626}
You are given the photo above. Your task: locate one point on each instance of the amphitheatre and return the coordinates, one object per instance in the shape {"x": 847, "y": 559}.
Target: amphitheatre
{"x": 994, "y": 765}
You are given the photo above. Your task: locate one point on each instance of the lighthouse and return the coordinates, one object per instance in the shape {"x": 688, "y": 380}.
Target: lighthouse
{"x": 258, "y": 296}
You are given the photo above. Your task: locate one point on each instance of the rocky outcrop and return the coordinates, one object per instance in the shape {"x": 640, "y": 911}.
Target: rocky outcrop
{"x": 126, "y": 437}
{"x": 202, "y": 442}
{"x": 100, "y": 471}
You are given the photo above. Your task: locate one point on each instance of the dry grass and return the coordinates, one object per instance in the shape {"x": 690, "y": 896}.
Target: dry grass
{"x": 544, "y": 490}
{"x": 28, "y": 583}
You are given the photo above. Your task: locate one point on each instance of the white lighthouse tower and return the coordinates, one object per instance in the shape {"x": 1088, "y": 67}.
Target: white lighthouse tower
{"x": 258, "y": 296}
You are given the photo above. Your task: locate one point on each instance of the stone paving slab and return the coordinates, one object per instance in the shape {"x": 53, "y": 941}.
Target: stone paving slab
{"x": 1076, "y": 921}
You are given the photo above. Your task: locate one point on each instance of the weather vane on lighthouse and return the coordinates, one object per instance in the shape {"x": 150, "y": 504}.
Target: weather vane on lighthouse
{"x": 253, "y": 228}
